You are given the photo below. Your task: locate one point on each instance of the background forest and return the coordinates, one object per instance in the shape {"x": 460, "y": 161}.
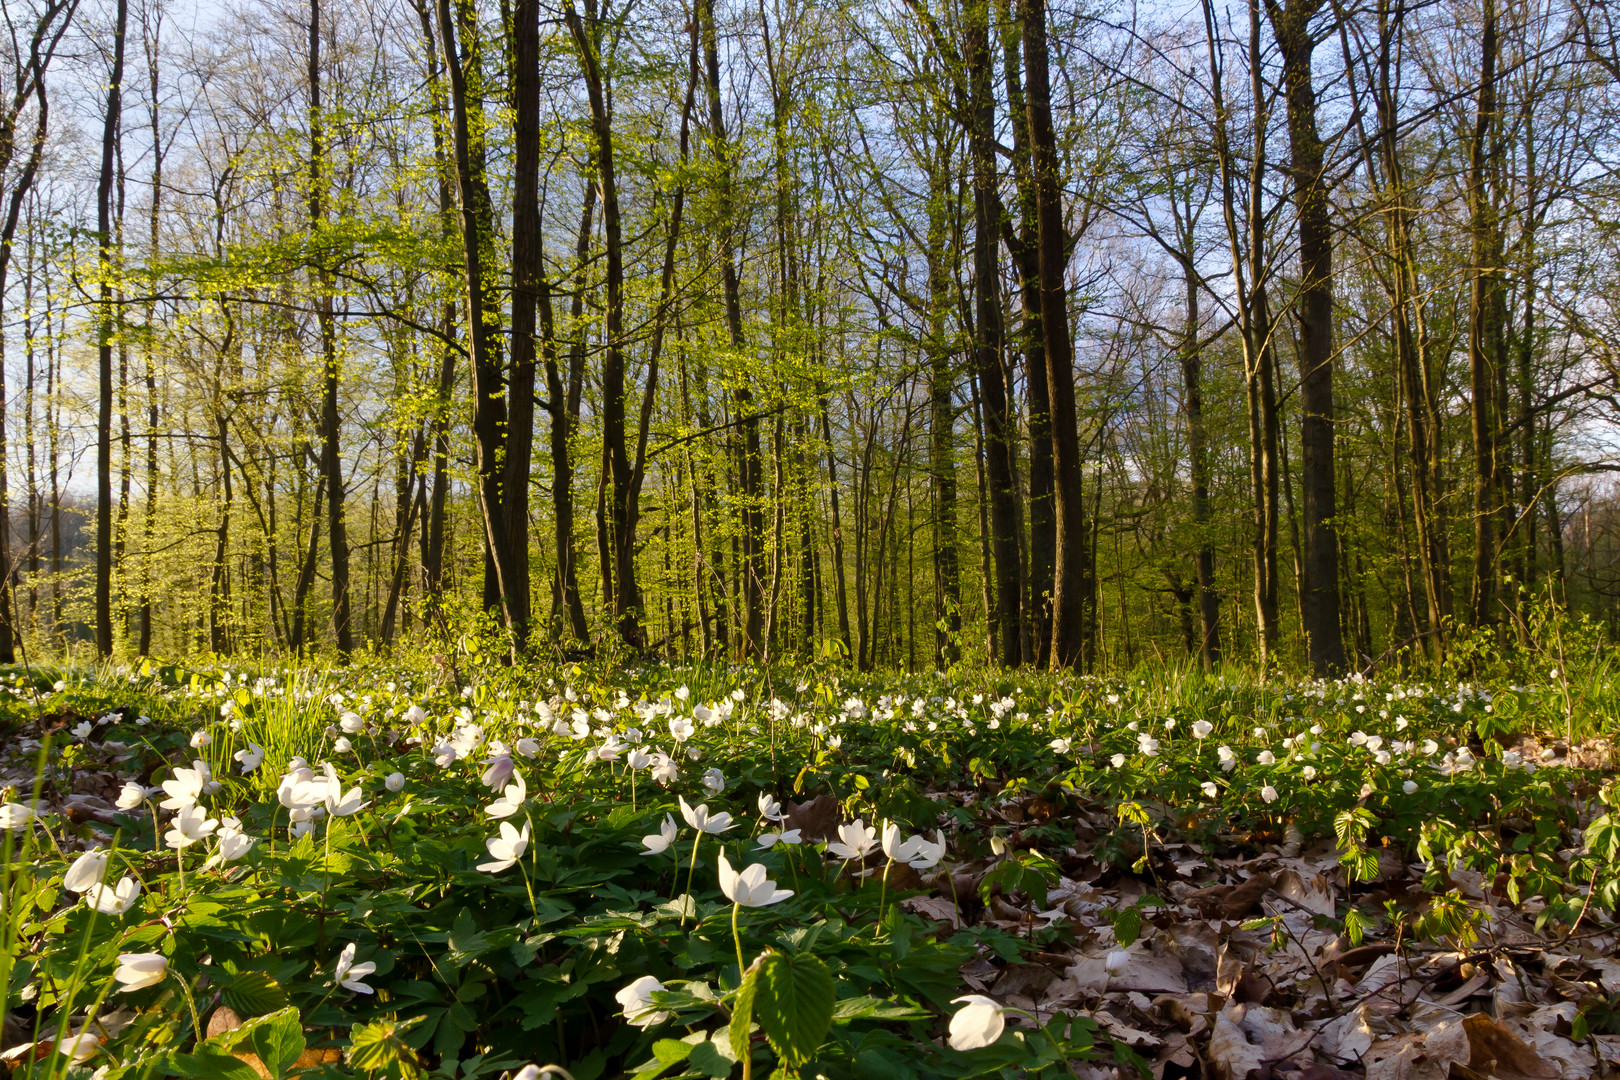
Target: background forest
{"x": 999, "y": 331}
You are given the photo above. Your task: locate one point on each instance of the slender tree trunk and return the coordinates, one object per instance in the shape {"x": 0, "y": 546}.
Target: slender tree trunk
{"x": 626, "y": 593}
{"x": 1319, "y": 579}
{"x": 466, "y": 83}
{"x": 8, "y": 232}
{"x": 331, "y": 455}
{"x": 1070, "y": 599}
{"x": 564, "y": 414}
{"x": 1192, "y": 364}
{"x": 1247, "y": 244}
{"x": 840, "y": 585}
{"x": 106, "y": 322}
{"x": 942, "y": 417}
{"x": 1025, "y": 247}
{"x": 527, "y": 271}
{"x": 750, "y": 462}
{"x": 1000, "y": 453}
{"x": 1484, "y": 329}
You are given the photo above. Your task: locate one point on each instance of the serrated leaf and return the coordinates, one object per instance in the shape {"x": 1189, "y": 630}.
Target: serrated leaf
{"x": 794, "y": 1004}
{"x": 1127, "y": 927}
{"x": 381, "y": 1044}
{"x": 278, "y": 1039}
{"x": 211, "y": 1066}
{"x": 253, "y": 993}
{"x": 742, "y": 1011}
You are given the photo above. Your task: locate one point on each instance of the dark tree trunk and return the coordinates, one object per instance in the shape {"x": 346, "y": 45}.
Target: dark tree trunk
{"x": 626, "y": 593}
{"x": 1025, "y": 248}
{"x": 527, "y": 272}
{"x": 465, "y": 69}
{"x": 1319, "y": 577}
{"x": 1000, "y": 454}
{"x": 331, "y": 456}
{"x": 106, "y": 320}
{"x": 1484, "y": 330}
{"x": 1070, "y": 587}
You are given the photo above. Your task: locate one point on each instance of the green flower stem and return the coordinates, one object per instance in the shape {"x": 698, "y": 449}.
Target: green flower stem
{"x": 736, "y": 937}
{"x": 883, "y": 891}
{"x": 690, "y": 872}
{"x": 191, "y": 1005}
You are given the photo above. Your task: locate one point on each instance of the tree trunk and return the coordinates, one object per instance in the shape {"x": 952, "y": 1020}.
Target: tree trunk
{"x": 527, "y": 271}
{"x": 626, "y": 594}
{"x": 1000, "y": 453}
{"x": 1484, "y": 329}
{"x": 482, "y": 297}
{"x": 1070, "y": 595}
{"x": 1025, "y": 247}
{"x": 1192, "y": 363}
{"x": 331, "y": 456}
{"x": 1319, "y": 577}
{"x": 106, "y": 320}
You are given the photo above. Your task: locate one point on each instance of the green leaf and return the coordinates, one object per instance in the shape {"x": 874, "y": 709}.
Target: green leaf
{"x": 278, "y": 1039}
{"x": 794, "y": 1005}
{"x": 381, "y": 1044}
{"x": 1128, "y": 926}
{"x": 707, "y": 1058}
{"x": 742, "y": 1011}
{"x": 871, "y": 1008}
{"x": 253, "y": 993}
{"x": 669, "y": 1051}
{"x": 212, "y": 1066}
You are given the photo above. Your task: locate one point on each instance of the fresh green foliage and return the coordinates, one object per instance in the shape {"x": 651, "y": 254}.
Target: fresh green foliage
{"x": 663, "y": 873}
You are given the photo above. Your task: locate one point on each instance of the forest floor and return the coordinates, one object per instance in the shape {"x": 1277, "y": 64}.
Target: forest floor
{"x": 235, "y": 871}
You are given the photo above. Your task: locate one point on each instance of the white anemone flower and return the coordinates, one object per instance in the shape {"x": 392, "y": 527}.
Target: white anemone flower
{"x": 189, "y": 826}
{"x": 340, "y": 803}
{"x": 635, "y": 1001}
{"x": 115, "y": 900}
{"x": 249, "y": 759}
{"x": 132, "y": 796}
{"x": 136, "y": 971}
{"x": 855, "y": 840}
{"x": 395, "y": 781}
{"x": 769, "y": 808}
{"x": 769, "y": 840}
{"x": 1202, "y": 728}
{"x": 749, "y": 887}
{"x": 1209, "y": 789}
{"x": 714, "y": 780}
{"x": 352, "y": 723}
{"x": 184, "y": 789}
{"x": 499, "y": 772}
{"x": 664, "y": 769}
{"x": 979, "y": 1022}
{"x": 681, "y": 729}
{"x": 657, "y": 843}
{"x": 505, "y": 849}
{"x": 348, "y": 974}
{"x": 511, "y": 800}
{"x": 1269, "y": 794}
{"x": 232, "y": 846}
{"x": 700, "y": 819}
{"x": 86, "y": 872}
